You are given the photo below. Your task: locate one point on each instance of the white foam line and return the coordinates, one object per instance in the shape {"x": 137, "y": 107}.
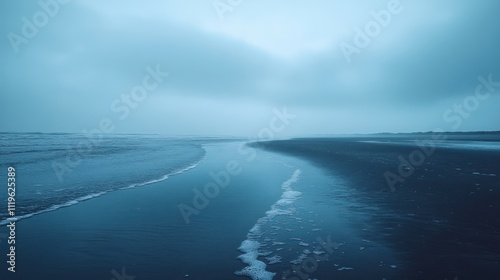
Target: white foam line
{"x": 256, "y": 269}
{"x": 165, "y": 177}
{"x": 94, "y": 195}
{"x": 52, "y": 208}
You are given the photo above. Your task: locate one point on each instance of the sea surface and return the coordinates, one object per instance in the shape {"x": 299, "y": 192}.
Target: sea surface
{"x": 59, "y": 170}
{"x": 293, "y": 209}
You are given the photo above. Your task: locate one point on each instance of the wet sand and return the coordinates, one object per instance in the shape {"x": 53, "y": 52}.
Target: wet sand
{"x": 444, "y": 218}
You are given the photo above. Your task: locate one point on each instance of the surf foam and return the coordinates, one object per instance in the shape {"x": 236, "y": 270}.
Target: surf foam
{"x": 255, "y": 268}
{"x": 94, "y": 195}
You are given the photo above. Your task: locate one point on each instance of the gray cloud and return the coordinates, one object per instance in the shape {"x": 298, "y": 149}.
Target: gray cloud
{"x": 264, "y": 55}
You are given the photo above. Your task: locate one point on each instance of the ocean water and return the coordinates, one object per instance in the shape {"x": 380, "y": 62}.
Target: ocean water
{"x": 315, "y": 229}
{"x": 60, "y": 170}
{"x": 116, "y": 207}
{"x": 279, "y": 218}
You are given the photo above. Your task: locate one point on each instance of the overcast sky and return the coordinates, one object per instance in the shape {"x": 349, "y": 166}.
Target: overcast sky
{"x": 66, "y": 67}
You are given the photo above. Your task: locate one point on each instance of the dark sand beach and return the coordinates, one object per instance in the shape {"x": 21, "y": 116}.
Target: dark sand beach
{"x": 444, "y": 218}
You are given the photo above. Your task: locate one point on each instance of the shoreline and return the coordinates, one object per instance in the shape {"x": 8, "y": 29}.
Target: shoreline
{"x": 425, "y": 229}
{"x": 443, "y": 217}
{"x": 95, "y": 195}
{"x": 142, "y": 230}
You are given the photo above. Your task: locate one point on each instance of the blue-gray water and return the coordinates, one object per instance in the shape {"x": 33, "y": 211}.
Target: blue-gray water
{"x": 274, "y": 214}
{"x": 58, "y": 170}
{"x": 297, "y": 209}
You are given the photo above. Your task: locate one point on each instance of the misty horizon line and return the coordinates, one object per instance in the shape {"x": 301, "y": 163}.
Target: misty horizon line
{"x": 288, "y": 136}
